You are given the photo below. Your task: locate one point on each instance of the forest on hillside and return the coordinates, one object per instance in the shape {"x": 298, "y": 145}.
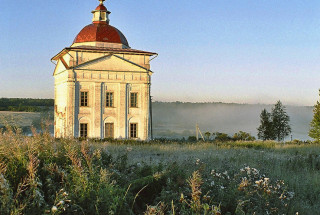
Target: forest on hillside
{"x": 25, "y": 104}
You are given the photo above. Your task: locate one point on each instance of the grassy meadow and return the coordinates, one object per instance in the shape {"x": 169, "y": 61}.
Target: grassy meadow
{"x": 42, "y": 175}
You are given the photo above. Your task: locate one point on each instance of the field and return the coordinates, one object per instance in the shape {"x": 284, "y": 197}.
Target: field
{"x": 41, "y": 175}
{"x": 21, "y": 119}
{"x": 26, "y": 120}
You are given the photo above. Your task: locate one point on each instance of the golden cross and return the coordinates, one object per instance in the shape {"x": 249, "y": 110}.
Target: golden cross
{"x": 101, "y": 1}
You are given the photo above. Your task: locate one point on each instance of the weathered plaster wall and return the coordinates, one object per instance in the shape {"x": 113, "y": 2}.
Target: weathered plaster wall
{"x": 109, "y": 73}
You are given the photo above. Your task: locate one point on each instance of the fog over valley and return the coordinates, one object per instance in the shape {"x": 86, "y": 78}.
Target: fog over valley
{"x": 176, "y": 119}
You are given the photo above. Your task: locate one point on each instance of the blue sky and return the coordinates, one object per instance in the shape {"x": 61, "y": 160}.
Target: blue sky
{"x": 247, "y": 51}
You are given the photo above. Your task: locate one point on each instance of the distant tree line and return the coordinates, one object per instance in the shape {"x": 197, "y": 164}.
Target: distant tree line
{"x": 25, "y": 104}
{"x": 222, "y": 137}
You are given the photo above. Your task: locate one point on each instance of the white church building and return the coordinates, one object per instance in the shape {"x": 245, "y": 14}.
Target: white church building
{"x": 101, "y": 85}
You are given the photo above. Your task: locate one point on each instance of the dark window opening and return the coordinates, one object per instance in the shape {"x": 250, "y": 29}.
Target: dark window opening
{"x": 84, "y": 99}
{"x": 109, "y": 99}
{"x": 83, "y": 130}
{"x": 133, "y": 130}
{"x": 133, "y": 99}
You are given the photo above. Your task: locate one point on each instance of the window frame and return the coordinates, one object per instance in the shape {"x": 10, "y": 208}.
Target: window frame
{"x": 136, "y": 100}
{"x": 112, "y": 100}
{"x": 86, "y": 99}
{"x": 81, "y": 131}
{"x": 133, "y": 132}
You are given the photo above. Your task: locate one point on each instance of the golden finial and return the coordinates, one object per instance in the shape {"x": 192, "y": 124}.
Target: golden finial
{"x": 101, "y": 1}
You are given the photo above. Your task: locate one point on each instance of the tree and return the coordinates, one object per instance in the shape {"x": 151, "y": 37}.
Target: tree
{"x": 243, "y": 136}
{"x": 222, "y": 137}
{"x": 314, "y": 131}
{"x": 207, "y": 135}
{"x": 265, "y": 130}
{"x": 280, "y": 121}
{"x": 192, "y": 139}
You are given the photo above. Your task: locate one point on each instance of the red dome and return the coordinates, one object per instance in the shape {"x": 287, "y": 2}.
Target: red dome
{"x": 101, "y": 7}
{"x": 100, "y": 32}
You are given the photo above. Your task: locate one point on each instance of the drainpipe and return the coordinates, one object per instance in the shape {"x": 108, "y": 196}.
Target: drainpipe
{"x": 151, "y": 127}
{"x": 127, "y": 111}
{"x": 102, "y": 105}
{"x": 150, "y": 110}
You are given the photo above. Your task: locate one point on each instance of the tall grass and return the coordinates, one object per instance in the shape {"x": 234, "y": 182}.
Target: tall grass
{"x": 42, "y": 175}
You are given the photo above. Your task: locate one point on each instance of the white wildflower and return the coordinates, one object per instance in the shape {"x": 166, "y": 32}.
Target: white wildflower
{"x": 225, "y": 172}
{"x": 60, "y": 203}
{"x": 54, "y": 209}
{"x": 255, "y": 171}
{"x": 258, "y": 182}
{"x": 248, "y": 170}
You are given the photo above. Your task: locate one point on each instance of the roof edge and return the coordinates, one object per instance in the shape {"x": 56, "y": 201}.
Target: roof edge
{"x": 106, "y": 49}
{"x": 103, "y": 50}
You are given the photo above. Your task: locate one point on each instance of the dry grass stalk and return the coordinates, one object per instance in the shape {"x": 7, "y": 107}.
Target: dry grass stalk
{"x": 3, "y": 168}
{"x": 86, "y": 154}
{"x": 156, "y": 210}
{"x": 72, "y": 154}
{"x": 32, "y": 166}
{"x": 195, "y": 182}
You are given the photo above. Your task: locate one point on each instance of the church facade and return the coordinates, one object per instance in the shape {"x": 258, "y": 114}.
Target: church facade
{"x": 102, "y": 87}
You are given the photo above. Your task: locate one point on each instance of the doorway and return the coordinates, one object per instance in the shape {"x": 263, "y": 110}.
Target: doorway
{"x": 109, "y": 130}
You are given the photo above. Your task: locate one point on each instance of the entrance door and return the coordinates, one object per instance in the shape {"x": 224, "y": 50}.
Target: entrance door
{"x": 109, "y": 130}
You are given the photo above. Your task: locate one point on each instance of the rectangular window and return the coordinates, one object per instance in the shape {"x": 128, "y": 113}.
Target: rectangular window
{"x": 133, "y": 130}
{"x": 109, "y": 130}
{"x": 84, "y": 99}
{"x": 109, "y": 99}
{"x": 133, "y": 99}
{"x": 83, "y": 129}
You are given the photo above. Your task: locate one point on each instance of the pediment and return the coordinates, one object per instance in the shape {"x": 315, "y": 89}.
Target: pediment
{"x": 111, "y": 62}
{"x": 59, "y": 68}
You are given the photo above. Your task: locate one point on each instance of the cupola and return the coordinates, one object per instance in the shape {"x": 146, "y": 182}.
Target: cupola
{"x": 100, "y": 33}
{"x": 101, "y": 14}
